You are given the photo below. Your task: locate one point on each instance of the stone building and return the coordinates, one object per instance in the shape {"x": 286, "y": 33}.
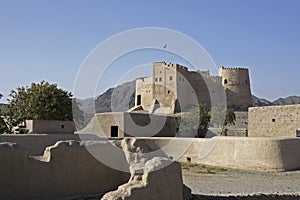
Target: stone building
{"x": 171, "y": 91}
{"x": 173, "y": 88}
{"x": 136, "y": 124}
{"x": 274, "y": 121}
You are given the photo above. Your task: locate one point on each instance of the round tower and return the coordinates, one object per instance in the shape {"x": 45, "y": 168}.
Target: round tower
{"x": 236, "y": 82}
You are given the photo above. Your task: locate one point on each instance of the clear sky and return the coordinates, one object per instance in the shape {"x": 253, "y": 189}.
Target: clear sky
{"x": 50, "y": 39}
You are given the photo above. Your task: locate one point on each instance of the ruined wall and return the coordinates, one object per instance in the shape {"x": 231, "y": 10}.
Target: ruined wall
{"x": 35, "y": 144}
{"x": 274, "y": 121}
{"x": 65, "y": 170}
{"x": 165, "y": 183}
{"x": 236, "y": 82}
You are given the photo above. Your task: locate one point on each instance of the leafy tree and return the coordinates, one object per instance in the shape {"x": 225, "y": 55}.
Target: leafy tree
{"x": 229, "y": 120}
{"x": 221, "y": 118}
{"x": 3, "y": 126}
{"x": 39, "y": 101}
{"x": 198, "y": 119}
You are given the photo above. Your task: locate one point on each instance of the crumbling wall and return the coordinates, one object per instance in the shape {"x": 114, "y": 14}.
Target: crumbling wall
{"x": 152, "y": 183}
{"x": 66, "y": 169}
{"x": 35, "y": 144}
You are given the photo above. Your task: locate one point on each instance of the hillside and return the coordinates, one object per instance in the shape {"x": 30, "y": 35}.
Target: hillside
{"x": 123, "y": 98}
{"x": 281, "y": 101}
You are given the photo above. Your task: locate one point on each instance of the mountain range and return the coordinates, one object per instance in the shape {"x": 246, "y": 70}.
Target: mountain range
{"x": 123, "y": 98}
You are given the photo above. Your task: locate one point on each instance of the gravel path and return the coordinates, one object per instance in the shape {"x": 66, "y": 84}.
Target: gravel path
{"x": 232, "y": 182}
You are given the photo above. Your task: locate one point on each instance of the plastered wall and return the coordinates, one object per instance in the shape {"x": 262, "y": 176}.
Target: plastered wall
{"x": 258, "y": 154}
{"x": 274, "y": 121}
{"x": 50, "y": 126}
{"x": 66, "y": 169}
{"x": 135, "y": 124}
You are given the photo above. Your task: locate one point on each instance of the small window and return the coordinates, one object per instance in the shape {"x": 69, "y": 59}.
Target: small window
{"x": 297, "y": 133}
{"x": 159, "y": 79}
{"x": 188, "y": 159}
{"x": 155, "y": 79}
{"x": 225, "y": 81}
{"x": 168, "y": 91}
{"x": 179, "y": 79}
{"x": 62, "y": 126}
{"x": 273, "y": 120}
{"x": 160, "y": 72}
{"x": 170, "y": 78}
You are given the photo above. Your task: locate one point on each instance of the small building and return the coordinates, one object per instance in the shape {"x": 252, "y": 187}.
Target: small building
{"x": 136, "y": 124}
{"x": 50, "y": 126}
{"x": 274, "y": 121}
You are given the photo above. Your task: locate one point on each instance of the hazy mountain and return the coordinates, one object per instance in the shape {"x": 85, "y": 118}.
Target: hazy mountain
{"x": 281, "y": 101}
{"x": 287, "y": 101}
{"x": 260, "y": 101}
{"x": 121, "y": 98}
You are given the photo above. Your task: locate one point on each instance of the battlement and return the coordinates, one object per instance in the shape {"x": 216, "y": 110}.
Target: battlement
{"x": 178, "y": 66}
{"x": 234, "y": 68}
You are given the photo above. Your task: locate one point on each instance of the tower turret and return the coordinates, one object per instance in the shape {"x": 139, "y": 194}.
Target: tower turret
{"x": 236, "y": 82}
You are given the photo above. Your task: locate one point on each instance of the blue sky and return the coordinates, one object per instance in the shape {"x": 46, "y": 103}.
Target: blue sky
{"x": 50, "y": 39}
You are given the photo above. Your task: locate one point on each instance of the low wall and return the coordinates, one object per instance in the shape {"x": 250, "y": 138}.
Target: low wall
{"x": 258, "y": 154}
{"x": 66, "y": 169}
{"x": 248, "y": 153}
{"x": 35, "y": 144}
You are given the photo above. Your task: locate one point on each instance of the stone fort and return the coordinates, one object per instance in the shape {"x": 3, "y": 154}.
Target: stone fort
{"x": 173, "y": 88}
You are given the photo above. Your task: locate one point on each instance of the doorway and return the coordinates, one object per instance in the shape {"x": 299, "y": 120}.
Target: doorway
{"x": 138, "y": 100}
{"x": 114, "y": 131}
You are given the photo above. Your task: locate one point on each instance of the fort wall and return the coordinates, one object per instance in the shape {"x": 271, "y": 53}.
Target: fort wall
{"x": 274, "y": 121}
{"x": 247, "y": 153}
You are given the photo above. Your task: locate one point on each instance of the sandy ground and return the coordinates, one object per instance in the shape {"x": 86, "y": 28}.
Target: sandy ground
{"x": 233, "y": 182}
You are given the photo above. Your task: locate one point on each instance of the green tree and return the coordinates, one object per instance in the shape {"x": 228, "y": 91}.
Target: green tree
{"x": 198, "y": 119}
{"x": 42, "y": 100}
{"x": 229, "y": 120}
{"x": 221, "y": 118}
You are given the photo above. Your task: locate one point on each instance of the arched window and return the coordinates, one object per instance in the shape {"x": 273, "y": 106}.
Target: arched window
{"x": 225, "y": 81}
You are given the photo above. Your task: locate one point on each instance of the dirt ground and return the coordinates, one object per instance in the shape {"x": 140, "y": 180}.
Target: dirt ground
{"x": 208, "y": 181}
